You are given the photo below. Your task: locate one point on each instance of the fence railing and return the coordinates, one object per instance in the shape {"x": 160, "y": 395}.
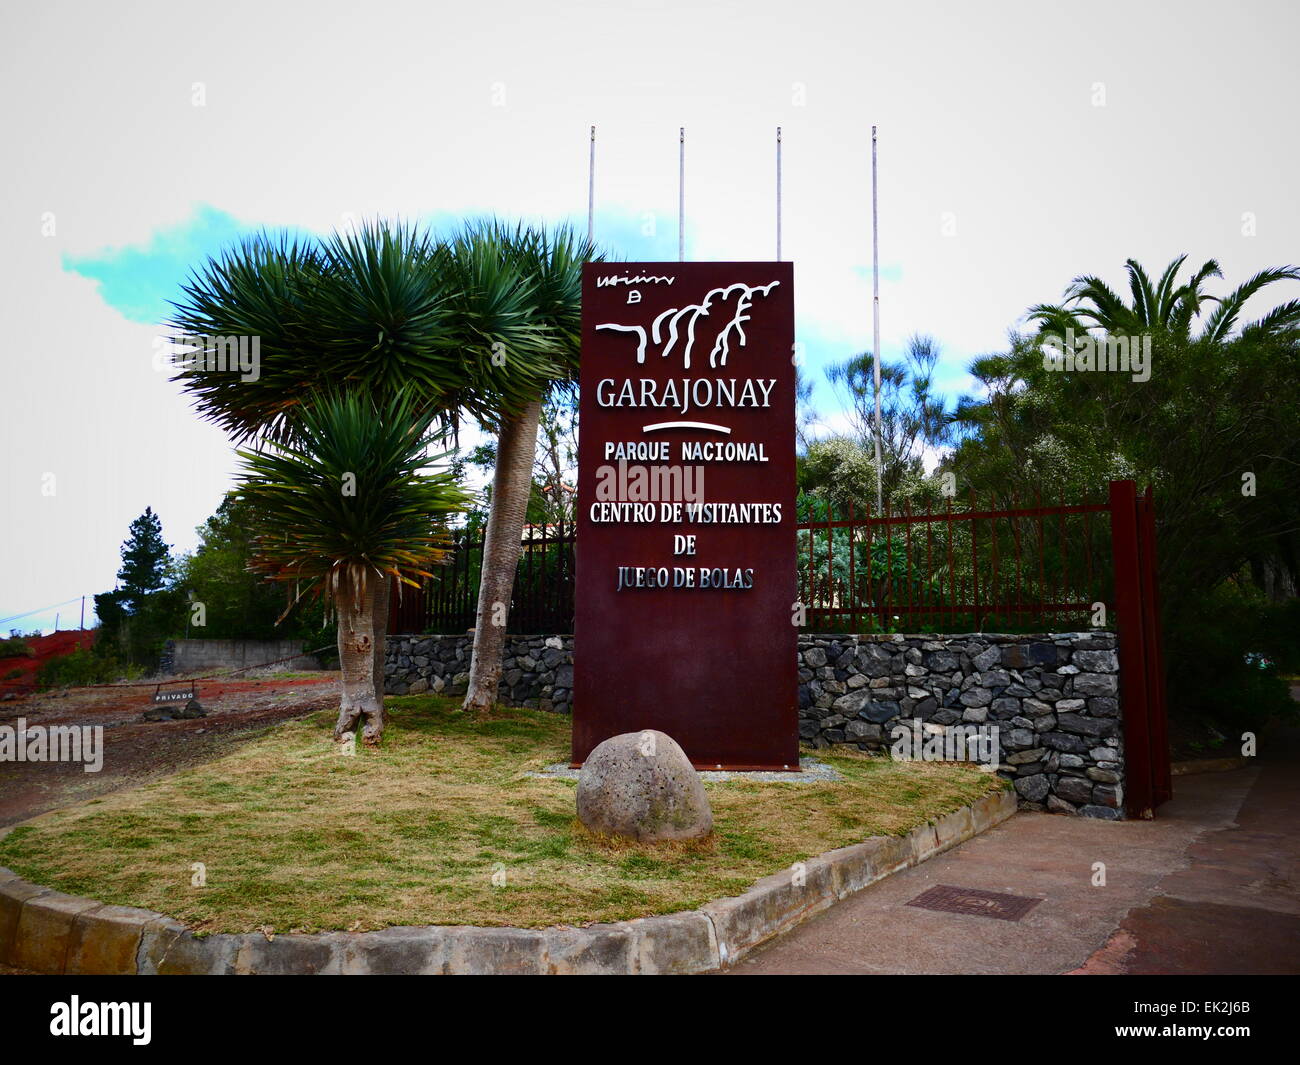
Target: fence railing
{"x": 962, "y": 566}
{"x": 542, "y": 601}
{"x": 1004, "y": 564}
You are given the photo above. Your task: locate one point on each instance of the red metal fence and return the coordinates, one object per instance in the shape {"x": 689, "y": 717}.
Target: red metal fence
{"x": 962, "y": 566}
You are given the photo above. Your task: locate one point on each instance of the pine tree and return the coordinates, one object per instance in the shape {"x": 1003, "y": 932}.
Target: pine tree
{"x": 144, "y": 560}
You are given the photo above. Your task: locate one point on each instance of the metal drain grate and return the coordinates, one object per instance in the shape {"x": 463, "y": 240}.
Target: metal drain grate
{"x": 976, "y": 903}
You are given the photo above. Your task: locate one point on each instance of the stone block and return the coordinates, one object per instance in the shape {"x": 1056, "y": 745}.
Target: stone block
{"x": 106, "y": 941}
{"x": 1057, "y": 805}
{"x": 14, "y": 893}
{"x": 1074, "y": 789}
{"x": 397, "y": 951}
{"x": 289, "y": 955}
{"x": 597, "y": 950}
{"x": 168, "y": 948}
{"x": 1102, "y": 684}
{"x": 675, "y": 944}
{"x": 854, "y": 867}
{"x": 1097, "y": 661}
{"x": 1033, "y": 788}
{"x": 772, "y": 905}
{"x": 44, "y": 931}
{"x": 497, "y": 951}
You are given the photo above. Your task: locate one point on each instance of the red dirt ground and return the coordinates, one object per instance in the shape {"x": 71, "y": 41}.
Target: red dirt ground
{"x": 46, "y": 647}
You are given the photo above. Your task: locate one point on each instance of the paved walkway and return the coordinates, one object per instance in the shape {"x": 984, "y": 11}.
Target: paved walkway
{"x": 1211, "y": 886}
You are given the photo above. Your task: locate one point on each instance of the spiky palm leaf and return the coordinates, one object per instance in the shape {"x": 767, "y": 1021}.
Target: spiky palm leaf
{"x": 507, "y": 349}
{"x": 1145, "y": 307}
{"x": 1220, "y": 323}
{"x": 351, "y": 492}
{"x": 518, "y": 295}
{"x": 1165, "y": 306}
{"x": 382, "y": 320}
{"x": 1285, "y": 317}
{"x": 265, "y": 287}
{"x": 1186, "y": 301}
{"x": 1054, "y": 319}
{"x": 1165, "y": 295}
{"x": 554, "y": 262}
{"x": 386, "y": 307}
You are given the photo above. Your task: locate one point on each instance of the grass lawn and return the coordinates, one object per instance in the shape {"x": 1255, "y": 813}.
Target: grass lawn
{"x": 296, "y": 836}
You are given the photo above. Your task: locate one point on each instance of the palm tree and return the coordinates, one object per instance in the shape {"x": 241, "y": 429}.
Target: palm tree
{"x": 1166, "y": 306}
{"x": 545, "y": 269}
{"x": 478, "y": 326}
{"x": 342, "y": 506}
{"x": 359, "y": 311}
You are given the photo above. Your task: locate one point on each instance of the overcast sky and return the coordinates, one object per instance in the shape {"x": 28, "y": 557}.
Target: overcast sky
{"x": 1020, "y": 145}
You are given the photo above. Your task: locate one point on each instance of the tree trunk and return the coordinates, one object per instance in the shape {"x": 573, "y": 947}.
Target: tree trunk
{"x": 383, "y": 596}
{"x": 511, "y": 486}
{"x": 361, "y": 704}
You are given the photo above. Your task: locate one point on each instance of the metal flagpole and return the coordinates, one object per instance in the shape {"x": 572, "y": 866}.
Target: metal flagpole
{"x": 591, "y": 188}
{"x": 681, "y": 194}
{"x": 778, "y": 193}
{"x": 875, "y": 314}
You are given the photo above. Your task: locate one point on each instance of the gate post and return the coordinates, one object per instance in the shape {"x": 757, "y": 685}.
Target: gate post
{"x": 1138, "y": 777}
{"x": 1157, "y": 714}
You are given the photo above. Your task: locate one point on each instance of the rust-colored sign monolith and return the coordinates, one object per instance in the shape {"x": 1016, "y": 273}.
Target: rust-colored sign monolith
{"x": 685, "y": 586}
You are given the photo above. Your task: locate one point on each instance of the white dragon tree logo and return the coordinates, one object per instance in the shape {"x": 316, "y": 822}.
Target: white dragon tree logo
{"x": 666, "y": 329}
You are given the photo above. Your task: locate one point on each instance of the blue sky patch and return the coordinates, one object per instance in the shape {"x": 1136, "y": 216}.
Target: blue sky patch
{"x": 137, "y": 280}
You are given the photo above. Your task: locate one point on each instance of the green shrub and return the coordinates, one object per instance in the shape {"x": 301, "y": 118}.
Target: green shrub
{"x": 1230, "y": 660}
{"x": 1278, "y": 635}
{"x": 82, "y": 667}
{"x": 16, "y": 647}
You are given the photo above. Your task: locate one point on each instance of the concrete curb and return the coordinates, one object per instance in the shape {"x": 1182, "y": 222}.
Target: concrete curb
{"x": 48, "y": 931}
{"x": 1207, "y": 765}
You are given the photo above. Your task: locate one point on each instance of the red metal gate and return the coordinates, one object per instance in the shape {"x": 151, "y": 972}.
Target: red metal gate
{"x": 1141, "y": 660}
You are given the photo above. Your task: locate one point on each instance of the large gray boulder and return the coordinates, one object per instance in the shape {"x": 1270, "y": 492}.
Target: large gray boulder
{"x": 642, "y": 785}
